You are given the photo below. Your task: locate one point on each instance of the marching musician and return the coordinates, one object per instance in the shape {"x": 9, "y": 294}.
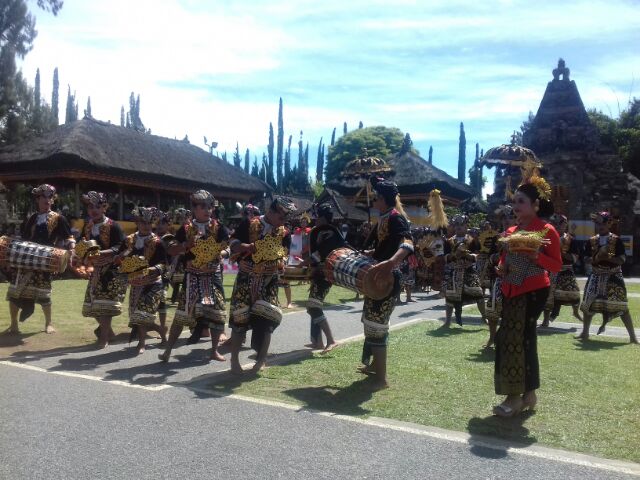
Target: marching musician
{"x": 391, "y": 242}
{"x": 176, "y": 267}
{"x": 605, "y": 291}
{"x": 147, "y": 289}
{"x": 462, "y": 280}
{"x": 564, "y": 288}
{"x": 201, "y": 301}
{"x": 28, "y": 287}
{"x": 324, "y": 238}
{"x": 263, "y": 244}
{"x": 106, "y": 288}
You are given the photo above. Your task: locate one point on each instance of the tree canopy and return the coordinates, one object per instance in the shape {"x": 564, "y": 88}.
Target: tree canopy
{"x": 378, "y": 141}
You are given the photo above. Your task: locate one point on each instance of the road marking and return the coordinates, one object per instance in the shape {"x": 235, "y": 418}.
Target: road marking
{"x": 150, "y": 388}
{"x": 377, "y": 422}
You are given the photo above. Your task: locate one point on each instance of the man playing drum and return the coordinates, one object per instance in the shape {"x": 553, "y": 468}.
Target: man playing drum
{"x": 27, "y": 286}
{"x": 391, "y": 243}
{"x": 263, "y": 243}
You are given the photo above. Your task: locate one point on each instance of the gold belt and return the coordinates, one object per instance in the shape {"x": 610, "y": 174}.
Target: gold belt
{"x": 263, "y": 268}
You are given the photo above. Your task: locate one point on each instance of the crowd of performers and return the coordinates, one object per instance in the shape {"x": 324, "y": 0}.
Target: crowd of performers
{"x": 512, "y": 286}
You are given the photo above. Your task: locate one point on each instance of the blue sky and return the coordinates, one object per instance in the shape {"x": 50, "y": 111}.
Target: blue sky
{"x": 218, "y": 68}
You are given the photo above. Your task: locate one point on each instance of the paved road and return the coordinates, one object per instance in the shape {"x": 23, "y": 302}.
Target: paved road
{"x": 56, "y": 421}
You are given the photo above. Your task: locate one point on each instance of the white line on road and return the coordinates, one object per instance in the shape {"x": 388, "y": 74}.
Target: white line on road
{"x": 411, "y": 428}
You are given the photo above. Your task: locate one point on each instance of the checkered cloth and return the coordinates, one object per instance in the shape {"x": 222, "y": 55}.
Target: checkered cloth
{"x": 33, "y": 256}
{"x": 347, "y": 268}
{"x": 519, "y": 267}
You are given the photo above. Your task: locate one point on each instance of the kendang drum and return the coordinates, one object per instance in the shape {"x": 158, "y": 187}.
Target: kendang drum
{"x": 33, "y": 256}
{"x": 359, "y": 273}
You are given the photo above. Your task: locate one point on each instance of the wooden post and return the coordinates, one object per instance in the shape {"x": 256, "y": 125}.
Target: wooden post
{"x": 77, "y": 201}
{"x": 120, "y": 203}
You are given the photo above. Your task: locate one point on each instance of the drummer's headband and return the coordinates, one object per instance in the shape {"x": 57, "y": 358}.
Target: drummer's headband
{"x": 44, "y": 190}
{"x": 283, "y": 203}
{"x": 385, "y": 188}
{"x": 144, "y": 214}
{"x": 94, "y": 198}
{"x": 202, "y": 197}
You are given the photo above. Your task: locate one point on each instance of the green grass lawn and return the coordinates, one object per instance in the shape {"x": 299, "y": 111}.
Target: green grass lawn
{"x": 589, "y": 400}
{"x": 73, "y": 330}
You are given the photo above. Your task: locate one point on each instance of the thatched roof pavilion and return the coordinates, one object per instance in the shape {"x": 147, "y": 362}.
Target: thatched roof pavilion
{"x": 415, "y": 178}
{"x": 90, "y": 154}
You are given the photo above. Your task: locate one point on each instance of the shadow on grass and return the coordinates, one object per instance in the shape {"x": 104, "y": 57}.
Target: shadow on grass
{"x": 8, "y": 340}
{"x": 548, "y": 331}
{"x": 592, "y": 345}
{"x": 328, "y": 398}
{"x": 450, "y": 331}
{"x": 484, "y": 355}
{"x": 511, "y": 433}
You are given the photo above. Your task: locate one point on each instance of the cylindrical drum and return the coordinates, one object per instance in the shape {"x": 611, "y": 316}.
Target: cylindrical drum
{"x": 355, "y": 271}
{"x": 33, "y": 256}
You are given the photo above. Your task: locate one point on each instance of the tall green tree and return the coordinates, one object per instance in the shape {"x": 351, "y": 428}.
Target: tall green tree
{"x": 237, "y": 159}
{"x": 71, "y": 114}
{"x": 333, "y": 137}
{"x": 280, "y": 147}
{"x": 55, "y": 97}
{"x": 122, "y": 124}
{"x": 344, "y": 128}
{"x": 247, "y": 160}
{"x": 462, "y": 155}
{"x": 379, "y": 141}
{"x": 255, "y": 171}
{"x": 36, "y": 90}
{"x": 360, "y": 125}
{"x": 407, "y": 144}
{"x": 430, "y": 154}
{"x": 270, "y": 178}
{"x": 87, "y": 111}
{"x": 320, "y": 162}
{"x": 17, "y": 34}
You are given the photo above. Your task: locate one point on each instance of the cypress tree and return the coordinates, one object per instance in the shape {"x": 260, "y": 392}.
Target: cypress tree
{"x": 333, "y": 137}
{"x": 255, "y": 171}
{"x": 122, "y": 116}
{"x": 462, "y": 154}
{"x": 430, "y": 154}
{"x": 71, "y": 113}
{"x": 280, "y": 147}
{"x": 270, "y": 179}
{"x": 237, "y": 160}
{"x": 87, "y": 112}
{"x": 36, "y": 91}
{"x": 55, "y": 97}
{"x": 320, "y": 161}
{"x": 128, "y": 122}
{"x": 407, "y": 143}
{"x": 360, "y": 125}
{"x": 246, "y": 161}
{"x": 344, "y": 128}
{"x": 306, "y": 162}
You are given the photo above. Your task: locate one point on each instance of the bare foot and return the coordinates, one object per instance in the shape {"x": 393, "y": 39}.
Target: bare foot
{"x": 236, "y": 369}
{"x": 223, "y": 339}
{"x": 329, "y": 347}
{"x": 379, "y": 385}
{"x": 366, "y": 370}
{"x": 12, "y": 331}
{"x": 315, "y": 346}
{"x": 488, "y": 345}
{"x": 139, "y": 349}
{"x": 259, "y": 366}
{"x": 164, "y": 357}
{"x": 163, "y": 335}
{"x": 635, "y": 341}
{"x": 582, "y": 337}
{"x": 49, "y": 329}
{"x": 215, "y": 355}
{"x": 101, "y": 345}
{"x": 289, "y": 306}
